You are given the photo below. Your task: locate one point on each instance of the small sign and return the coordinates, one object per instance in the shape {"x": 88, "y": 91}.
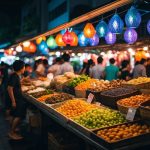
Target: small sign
{"x": 98, "y": 104}
{"x": 131, "y": 114}
{"x": 90, "y": 98}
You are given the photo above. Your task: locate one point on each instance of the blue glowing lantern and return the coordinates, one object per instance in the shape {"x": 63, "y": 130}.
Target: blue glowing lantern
{"x": 94, "y": 40}
{"x": 43, "y": 48}
{"x": 116, "y": 24}
{"x": 82, "y": 40}
{"x": 51, "y": 43}
{"x": 102, "y": 28}
{"x": 133, "y": 18}
{"x": 130, "y": 36}
{"x": 148, "y": 26}
{"x": 110, "y": 38}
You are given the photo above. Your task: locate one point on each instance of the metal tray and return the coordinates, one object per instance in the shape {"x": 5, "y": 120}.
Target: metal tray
{"x": 124, "y": 142}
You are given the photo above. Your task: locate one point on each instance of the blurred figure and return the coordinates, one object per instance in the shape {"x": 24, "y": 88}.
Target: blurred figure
{"x": 89, "y": 67}
{"x": 28, "y": 70}
{"x": 97, "y": 70}
{"x": 148, "y": 68}
{"x": 140, "y": 69}
{"x": 125, "y": 70}
{"x": 66, "y": 66}
{"x": 111, "y": 72}
{"x": 82, "y": 71}
{"x": 54, "y": 69}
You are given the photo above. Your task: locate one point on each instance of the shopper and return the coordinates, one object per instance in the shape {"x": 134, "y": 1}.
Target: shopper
{"x": 40, "y": 69}
{"x": 111, "y": 72}
{"x": 15, "y": 98}
{"x": 97, "y": 71}
{"x": 148, "y": 68}
{"x": 125, "y": 70}
{"x": 66, "y": 66}
{"x": 89, "y": 67}
{"x": 83, "y": 69}
{"x": 140, "y": 69}
{"x": 28, "y": 71}
{"x": 55, "y": 68}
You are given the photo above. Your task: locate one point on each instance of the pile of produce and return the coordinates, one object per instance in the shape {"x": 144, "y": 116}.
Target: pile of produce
{"x": 86, "y": 84}
{"x": 74, "y": 82}
{"x": 133, "y": 101}
{"x": 73, "y": 108}
{"x": 58, "y": 97}
{"x": 44, "y": 97}
{"x": 39, "y": 94}
{"x": 102, "y": 85}
{"x": 121, "y": 132}
{"x": 99, "y": 118}
{"x": 119, "y": 92}
{"x": 37, "y": 90}
{"x": 139, "y": 80}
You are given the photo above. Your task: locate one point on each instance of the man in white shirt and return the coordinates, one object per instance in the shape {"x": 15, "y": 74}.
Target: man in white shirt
{"x": 97, "y": 71}
{"x": 66, "y": 66}
{"x": 54, "y": 69}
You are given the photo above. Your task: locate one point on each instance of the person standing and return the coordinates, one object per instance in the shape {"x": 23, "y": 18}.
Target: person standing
{"x": 16, "y": 99}
{"x": 140, "y": 69}
{"x": 97, "y": 70}
{"x": 66, "y": 66}
{"x": 111, "y": 72}
{"x": 148, "y": 68}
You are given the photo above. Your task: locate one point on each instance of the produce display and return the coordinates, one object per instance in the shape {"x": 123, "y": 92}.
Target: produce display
{"x": 99, "y": 118}
{"x": 74, "y": 82}
{"x": 119, "y": 91}
{"x": 102, "y": 85}
{"x": 121, "y": 132}
{"x": 134, "y": 101}
{"x": 73, "y": 108}
{"x": 38, "y": 89}
{"x": 39, "y": 94}
{"x": 25, "y": 88}
{"x": 139, "y": 80}
{"x": 58, "y": 97}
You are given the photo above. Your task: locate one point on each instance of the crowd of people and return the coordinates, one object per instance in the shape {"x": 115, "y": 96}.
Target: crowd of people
{"x": 13, "y": 76}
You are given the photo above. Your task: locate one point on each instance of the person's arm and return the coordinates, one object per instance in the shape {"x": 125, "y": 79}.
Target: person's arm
{"x": 11, "y": 94}
{"x": 144, "y": 72}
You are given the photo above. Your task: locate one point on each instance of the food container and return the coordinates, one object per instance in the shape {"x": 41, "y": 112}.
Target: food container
{"x": 111, "y": 100}
{"x": 69, "y": 90}
{"x": 127, "y": 143}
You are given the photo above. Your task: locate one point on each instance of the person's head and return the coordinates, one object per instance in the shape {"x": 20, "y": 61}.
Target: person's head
{"x": 143, "y": 62}
{"x": 45, "y": 62}
{"x": 100, "y": 60}
{"x": 58, "y": 60}
{"x": 112, "y": 61}
{"x": 28, "y": 68}
{"x": 19, "y": 66}
{"x": 91, "y": 62}
{"x": 66, "y": 57}
{"x": 125, "y": 64}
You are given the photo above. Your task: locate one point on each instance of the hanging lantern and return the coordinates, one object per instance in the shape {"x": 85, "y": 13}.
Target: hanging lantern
{"x": 139, "y": 55}
{"x": 110, "y": 38}
{"x": 75, "y": 39}
{"x": 59, "y": 40}
{"x": 19, "y": 49}
{"x": 148, "y": 26}
{"x": 40, "y": 39}
{"x": 42, "y": 46}
{"x": 26, "y": 44}
{"x": 89, "y": 30}
{"x": 51, "y": 43}
{"x": 94, "y": 40}
{"x": 130, "y": 36}
{"x": 83, "y": 41}
{"x": 102, "y": 29}
{"x": 133, "y": 18}
{"x": 116, "y": 24}
{"x": 8, "y": 52}
{"x": 67, "y": 37}
{"x": 32, "y": 48}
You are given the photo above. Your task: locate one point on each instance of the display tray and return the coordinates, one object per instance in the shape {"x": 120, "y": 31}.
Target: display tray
{"x": 69, "y": 90}
{"x": 128, "y": 142}
{"x": 111, "y": 101}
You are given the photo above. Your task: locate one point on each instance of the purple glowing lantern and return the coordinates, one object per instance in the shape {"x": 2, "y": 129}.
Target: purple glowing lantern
{"x": 94, "y": 40}
{"x": 110, "y": 38}
{"x": 148, "y": 26}
{"x": 130, "y": 36}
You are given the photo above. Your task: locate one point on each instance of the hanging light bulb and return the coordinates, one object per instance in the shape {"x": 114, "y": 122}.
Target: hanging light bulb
{"x": 102, "y": 28}
{"x": 26, "y": 44}
{"x": 19, "y": 49}
{"x": 89, "y": 30}
{"x": 40, "y": 39}
{"x": 59, "y": 40}
{"x": 110, "y": 38}
{"x": 133, "y": 18}
{"x": 51, "y": 43}
{"x": 67, "y": 37}
{"x": 94, "y": 40}
{"x": 83, "y": 41}
{"x": 116, "y": 24}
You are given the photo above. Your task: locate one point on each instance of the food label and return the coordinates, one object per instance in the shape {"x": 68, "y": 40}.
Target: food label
{"x": 131, "y": 114}
{"x": 90, "y": 98}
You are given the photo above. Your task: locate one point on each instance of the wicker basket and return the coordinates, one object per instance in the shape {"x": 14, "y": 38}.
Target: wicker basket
{"x": 80, "y": 93}
{"x": 145, "y": 112}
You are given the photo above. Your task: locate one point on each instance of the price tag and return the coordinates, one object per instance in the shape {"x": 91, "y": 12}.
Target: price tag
{"x": 131, "y": 114}
{"x": 90, "y": 98}
{"x": 98, "y": 104}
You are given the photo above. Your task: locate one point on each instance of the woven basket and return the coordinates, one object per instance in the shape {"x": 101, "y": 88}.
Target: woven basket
{"x": 145, "y": 112}
{"x": 80, "y": 93}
